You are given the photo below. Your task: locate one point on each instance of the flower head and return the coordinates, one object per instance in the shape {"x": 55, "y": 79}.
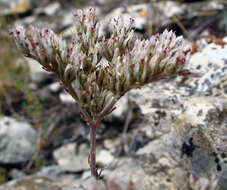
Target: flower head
{"x": 97, "y": 71}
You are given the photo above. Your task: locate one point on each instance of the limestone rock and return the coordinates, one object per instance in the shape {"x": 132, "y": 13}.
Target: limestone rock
{"x": 36, "y": 72}
{"x": 66, "y": 98}
{"x": 206, "y": 116}
{"x": 17, "y": 141}
{"x": 8, "y": 7}
{"x": 211, "y": 64}
{"x": 68, "y": 160}
{"x": 104, "y": 158}
{"x": 49, "y": 10}
{"x": 36, "y": 183}
{"x": 153, "y": 175}
{"x": 202, "y": 129}
{"x": 162, "y": 163}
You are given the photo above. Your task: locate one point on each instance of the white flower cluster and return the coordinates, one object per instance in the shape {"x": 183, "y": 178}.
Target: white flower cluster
{"x": 97, "y": 71}
{"x": 204, "y": 183}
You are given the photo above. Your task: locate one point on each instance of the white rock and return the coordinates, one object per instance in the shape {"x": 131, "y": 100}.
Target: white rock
{"x": 210, "y": 63}
{"x": 105, "y": 158}
{"x": 52, "y": 8}
{"x": 36, "y": 72}
{"x": 132, "y": 12}
{"x": 17, "y": 141}
{"x": 201, "y": 112}
{"x": 67, "y": 20}
{"x": 14, "y": 6}
{"x": 170, "y": 8}
{"x": 121, "y": 107}
{"x": 55, "y": 87}
{"x": 66, "y": 98}
{"x": 68, "y": 160}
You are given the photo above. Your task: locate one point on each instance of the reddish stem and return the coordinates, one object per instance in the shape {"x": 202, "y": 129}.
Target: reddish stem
{"x": 92, "y": 159}
{"x": 94, "y": 123}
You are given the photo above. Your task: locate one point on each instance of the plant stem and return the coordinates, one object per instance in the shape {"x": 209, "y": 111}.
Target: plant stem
{"x": 94, "y": 123}
{"x": 92, "y": 159}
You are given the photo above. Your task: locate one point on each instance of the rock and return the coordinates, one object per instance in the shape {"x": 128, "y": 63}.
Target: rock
{"x": 67, "y": 20}
{"x": 112, "y": 183}
{"x": 159, "y": 102}
{"x": 211, "y": 64}
{"x": 68, "y": 160}
{"x": 14, "y": 6}
{"x": 120, "y": 113}
{"x": 36, "y": 72}
{"x": 121, "y": 107}
{"x": 17, "y": 141}
{"x": 159, "y": 176}
{"x": 170, "y": 8}
{"x": 162, "y": 164}
{"x": 114, "y": 146}
{"x": 220, "y": 87}
{"x": 202, "y": 128}
{"x": 204, "y": 115}
{"x": 106, "y": 2}
{"x": 49, "y": 10}
{"x": 66, "y": 98}
{"x": 28, "y": 183}
{"x": 55, "y": 87}
{"x": 16, "y": 174}
{"x": 91, "y": 183}
{"x": 53, "y": 171}
{"x": 104, "y": 158}
{"x": 133, "y": 11}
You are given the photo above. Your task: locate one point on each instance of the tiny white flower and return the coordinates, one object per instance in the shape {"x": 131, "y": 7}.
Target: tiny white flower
{"x": 92, "y": 66}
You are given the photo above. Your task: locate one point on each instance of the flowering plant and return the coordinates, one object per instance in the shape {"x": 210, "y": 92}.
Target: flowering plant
{"x": 97, "y": 71}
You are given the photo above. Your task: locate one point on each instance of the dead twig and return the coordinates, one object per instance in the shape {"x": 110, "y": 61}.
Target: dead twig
{"x": 178, "y": 22}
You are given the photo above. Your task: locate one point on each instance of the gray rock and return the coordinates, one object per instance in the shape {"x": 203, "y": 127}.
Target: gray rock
{"x": 202, "y": 128}
{"x": 50, "y": 171}
{"x": 34, "y": 182}
{"x": 161, "y": 175}
{"x": 16, "y": 174}
{"x": 159, "y": 103}
{"x": 204, "y": 116}
{"x": 68, "y": 160}
{"x": 162, "y": 163}
{"x": 17, "y": 141}
{"x": 36, "y": 72}
{"x": 67, "y": 20}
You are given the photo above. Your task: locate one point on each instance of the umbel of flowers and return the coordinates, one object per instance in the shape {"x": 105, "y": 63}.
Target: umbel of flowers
{"x": 97, "y": 71}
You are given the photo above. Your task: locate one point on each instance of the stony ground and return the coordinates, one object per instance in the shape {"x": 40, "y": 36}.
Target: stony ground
{"x": 176, "y": 129}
